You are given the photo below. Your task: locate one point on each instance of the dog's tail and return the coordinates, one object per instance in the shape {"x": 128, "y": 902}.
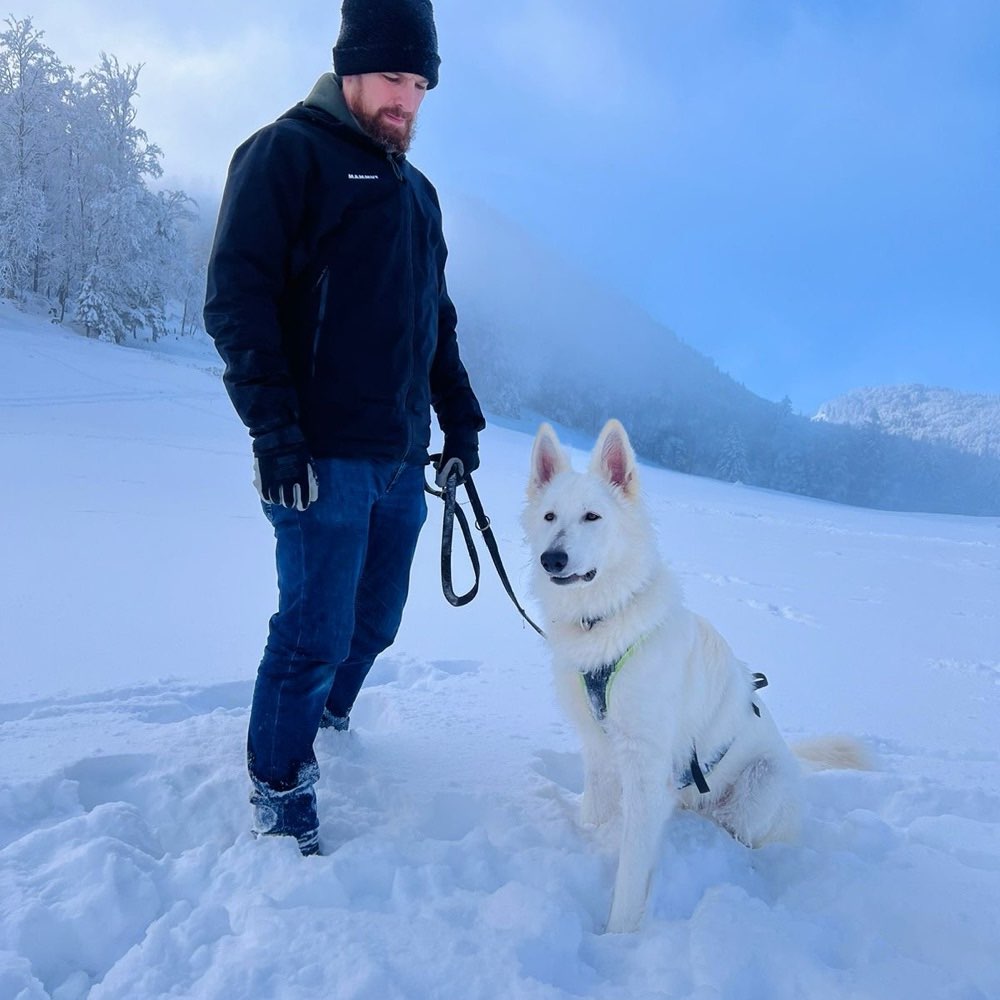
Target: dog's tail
{"x": 833, "y": 753}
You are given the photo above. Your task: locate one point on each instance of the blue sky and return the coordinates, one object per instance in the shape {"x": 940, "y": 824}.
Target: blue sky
{"x": 806, "y": 192}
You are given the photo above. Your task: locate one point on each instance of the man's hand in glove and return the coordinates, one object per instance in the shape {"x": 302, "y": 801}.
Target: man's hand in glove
{"x": 459, "y": 455}
{"x": 283, "y": 471}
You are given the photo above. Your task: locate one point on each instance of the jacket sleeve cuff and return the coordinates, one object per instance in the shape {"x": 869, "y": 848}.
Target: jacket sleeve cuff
{"x": 288, "y": 436}
{"x": 463, "y": 442}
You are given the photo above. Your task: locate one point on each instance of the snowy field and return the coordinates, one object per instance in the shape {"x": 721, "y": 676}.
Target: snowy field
{"x": 137, "y": 582}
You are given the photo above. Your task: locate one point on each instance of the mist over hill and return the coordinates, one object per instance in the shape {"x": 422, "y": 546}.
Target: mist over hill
{"x": 968, "y": 421}
{"x": 542, "y": 338}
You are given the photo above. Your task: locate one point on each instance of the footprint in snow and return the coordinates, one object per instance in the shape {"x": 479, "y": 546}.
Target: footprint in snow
{"x": 408, "y": 672}
{"x": 108, "y": 779}
{"x": 169, "y": 701}
{"x": 561, "y": 768}
{"x": 789, "y": 614}
{"x": 986, "y": 669}
{"x": 451, "y": 815}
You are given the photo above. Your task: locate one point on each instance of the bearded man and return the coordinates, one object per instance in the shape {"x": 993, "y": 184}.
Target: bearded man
{"x": 327, "y": 302}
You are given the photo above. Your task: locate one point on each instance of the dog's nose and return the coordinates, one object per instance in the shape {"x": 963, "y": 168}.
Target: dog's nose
{"x": 554, "y": 561}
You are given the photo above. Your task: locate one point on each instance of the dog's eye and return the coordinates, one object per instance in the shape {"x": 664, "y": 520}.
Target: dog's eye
{"x": 591, "y": 516}
{"x": 550, "y": 516}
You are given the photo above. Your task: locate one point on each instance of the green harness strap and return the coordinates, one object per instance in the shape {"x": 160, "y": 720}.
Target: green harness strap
{"x": 597, "y": 683}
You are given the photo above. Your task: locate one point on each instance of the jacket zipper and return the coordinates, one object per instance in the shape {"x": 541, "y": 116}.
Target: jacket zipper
{"x": 409, "y": 378}
{"x": 395, "y": 166}
{"x": 323, "y": 284}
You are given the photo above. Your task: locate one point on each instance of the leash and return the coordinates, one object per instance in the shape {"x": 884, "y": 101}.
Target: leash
{"x": 453, "y": 512}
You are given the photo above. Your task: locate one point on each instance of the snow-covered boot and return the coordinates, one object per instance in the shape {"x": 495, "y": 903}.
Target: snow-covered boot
{"x": 286, "y": 814}
{"x": 331, "y": 721}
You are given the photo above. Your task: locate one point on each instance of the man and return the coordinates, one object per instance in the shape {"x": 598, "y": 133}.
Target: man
{"x": 327, "y": 302}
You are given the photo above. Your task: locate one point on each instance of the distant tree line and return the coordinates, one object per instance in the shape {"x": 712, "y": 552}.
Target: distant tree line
{"x": 79, "y": 227}
{"x": 683, "y": 413}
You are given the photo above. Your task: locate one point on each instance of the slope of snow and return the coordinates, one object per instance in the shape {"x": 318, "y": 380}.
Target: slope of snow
{"x": 137, "y": 581}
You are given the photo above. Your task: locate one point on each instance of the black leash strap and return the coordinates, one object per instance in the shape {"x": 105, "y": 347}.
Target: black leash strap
{"x": 695, "y": 772}
{"x": 453, "y": 512}
{"x": 698, "y": 775}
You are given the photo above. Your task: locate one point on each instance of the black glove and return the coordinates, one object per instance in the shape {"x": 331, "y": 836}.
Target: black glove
{"x": 283, "y": 469}
{"x": 460, "y": 455}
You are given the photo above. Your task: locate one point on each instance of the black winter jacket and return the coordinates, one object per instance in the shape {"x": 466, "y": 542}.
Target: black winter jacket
{"x": 326, "y": 293}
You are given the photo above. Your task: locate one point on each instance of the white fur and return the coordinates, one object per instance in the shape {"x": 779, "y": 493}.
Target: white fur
{"x": 682, "y": 687}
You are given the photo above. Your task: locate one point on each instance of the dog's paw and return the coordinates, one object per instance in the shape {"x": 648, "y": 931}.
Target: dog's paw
{"x": 621, "y": 922}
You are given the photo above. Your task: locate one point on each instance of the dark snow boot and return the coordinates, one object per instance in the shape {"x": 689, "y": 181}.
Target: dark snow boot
{"x": 286, "y": 814}
{"x": 338, "y": 722}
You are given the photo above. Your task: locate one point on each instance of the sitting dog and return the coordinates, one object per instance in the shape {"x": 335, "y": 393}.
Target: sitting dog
{"x": 667, "y": 714}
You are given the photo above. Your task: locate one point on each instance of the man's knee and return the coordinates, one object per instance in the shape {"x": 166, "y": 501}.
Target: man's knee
{"x": 304, "y": 654}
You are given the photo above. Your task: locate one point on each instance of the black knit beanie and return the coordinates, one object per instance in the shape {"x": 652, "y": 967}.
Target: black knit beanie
{"x": 387, "y": 36}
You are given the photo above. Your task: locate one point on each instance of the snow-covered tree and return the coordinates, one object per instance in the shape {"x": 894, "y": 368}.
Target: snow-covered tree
{"x": 732, "y": 465}
{"x": 33, "y": 85}
{"x": 22, "y": 225}
{"x": 78, "y": 222}
{"x": 192, "y": 272}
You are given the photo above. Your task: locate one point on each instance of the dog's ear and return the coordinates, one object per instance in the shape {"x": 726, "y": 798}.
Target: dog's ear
{"x": 547, "y": 459}
{"x": 614, "y": 460}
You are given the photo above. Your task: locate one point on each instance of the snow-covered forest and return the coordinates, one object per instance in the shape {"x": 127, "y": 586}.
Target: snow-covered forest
{"x": 969, "y": 421}
{"x": 82, "y": 230}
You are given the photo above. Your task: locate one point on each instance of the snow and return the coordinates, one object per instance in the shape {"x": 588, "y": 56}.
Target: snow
{"x": 137, "y": 581}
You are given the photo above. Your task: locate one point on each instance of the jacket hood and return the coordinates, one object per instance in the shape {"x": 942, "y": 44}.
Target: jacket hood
{"x": 328, "y": 96}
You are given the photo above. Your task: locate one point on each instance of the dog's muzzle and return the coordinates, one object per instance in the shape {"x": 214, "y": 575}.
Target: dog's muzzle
{"x": 574, "y": 578}
{"x": 554, "y": 561}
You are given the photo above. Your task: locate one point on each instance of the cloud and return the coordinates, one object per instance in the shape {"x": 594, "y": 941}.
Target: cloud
{"x": 567, "y": 54}
{"x": 207, "y": 100}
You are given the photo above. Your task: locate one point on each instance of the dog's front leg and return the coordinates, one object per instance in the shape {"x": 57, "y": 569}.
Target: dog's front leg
{"x": 646, "y": 804}
{"x": 601, "y": 784}
{"x": 601, "y": 787}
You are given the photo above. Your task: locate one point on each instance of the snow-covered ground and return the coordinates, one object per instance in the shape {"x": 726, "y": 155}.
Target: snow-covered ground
{"x": 137, "y": 578}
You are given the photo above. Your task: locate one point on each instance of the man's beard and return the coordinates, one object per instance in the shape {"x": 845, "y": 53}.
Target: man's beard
{"x": 387, "y": 136}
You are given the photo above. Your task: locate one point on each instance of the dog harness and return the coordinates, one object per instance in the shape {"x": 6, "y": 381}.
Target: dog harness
{"x": 597, "y": 685}
{"x": 597, "y": 682}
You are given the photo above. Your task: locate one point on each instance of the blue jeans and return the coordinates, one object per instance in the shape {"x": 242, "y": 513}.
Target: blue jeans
{"x": 343, "y": 574}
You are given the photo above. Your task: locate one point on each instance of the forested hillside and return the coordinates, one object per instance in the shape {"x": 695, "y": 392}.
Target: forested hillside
{"x": 969, "y": 421}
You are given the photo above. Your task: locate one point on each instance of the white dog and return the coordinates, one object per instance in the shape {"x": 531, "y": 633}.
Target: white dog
{"x": 666, "y": 712}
